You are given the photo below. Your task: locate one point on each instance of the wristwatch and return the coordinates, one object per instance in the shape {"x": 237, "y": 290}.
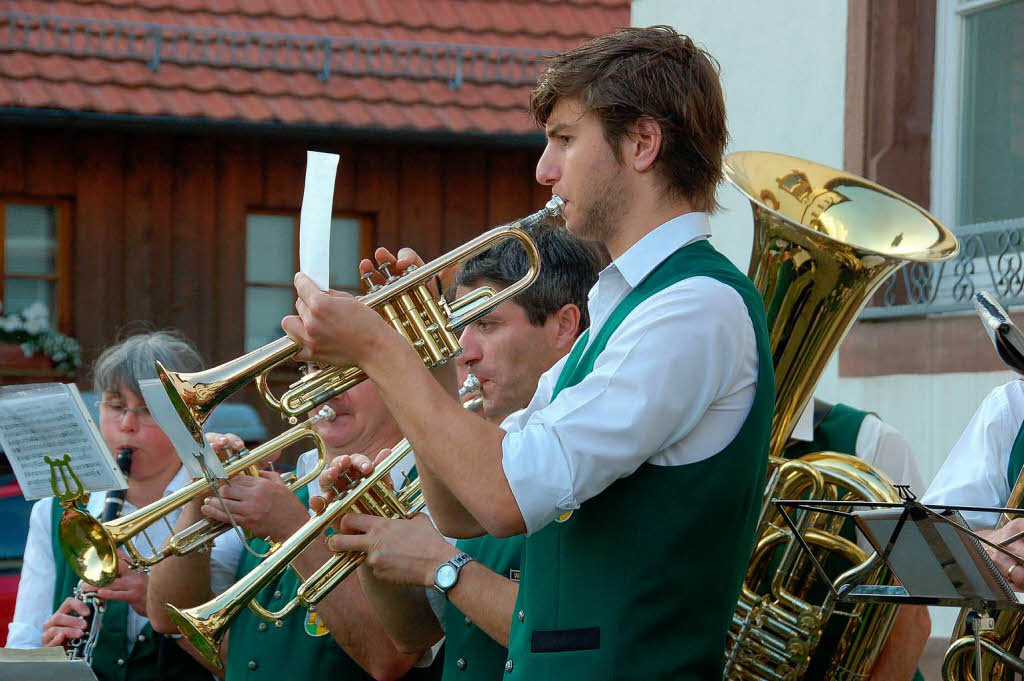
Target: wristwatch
{"x": 447, "y": 573}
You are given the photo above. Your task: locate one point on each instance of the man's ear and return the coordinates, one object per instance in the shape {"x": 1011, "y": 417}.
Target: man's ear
{"x": 567, "y": 321}
{"x": 644, "y": 144}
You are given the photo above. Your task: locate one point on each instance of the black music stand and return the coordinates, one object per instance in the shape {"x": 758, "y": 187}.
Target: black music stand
{"x": 950, "y": 567}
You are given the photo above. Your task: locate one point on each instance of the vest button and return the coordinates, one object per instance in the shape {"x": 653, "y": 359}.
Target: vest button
{"x": 460, "y": 663}
{"x": 521, "y": 615}
{"x": 508, "y": 666}
{"x": 262, "y": 626}
{"x": 142, "y": 638}
{"x": 120, "y": 662}
{"x": 253, "y": 665}
{"x": 469, "y": 622}
{"x": 277, "y": 594}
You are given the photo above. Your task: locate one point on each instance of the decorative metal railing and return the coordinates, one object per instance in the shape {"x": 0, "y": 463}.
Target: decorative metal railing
{"x": 991, "y": 259}
{"x": 324, "y": 56}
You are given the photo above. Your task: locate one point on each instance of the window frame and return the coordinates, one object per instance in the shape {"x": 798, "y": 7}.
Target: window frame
{"x": 367, "y": 241}
{"x": 948, "y": 114}
{"x": 62, "y": 261}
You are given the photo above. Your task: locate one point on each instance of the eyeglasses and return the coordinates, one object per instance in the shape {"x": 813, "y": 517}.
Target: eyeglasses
{"x": 118, "y": 410}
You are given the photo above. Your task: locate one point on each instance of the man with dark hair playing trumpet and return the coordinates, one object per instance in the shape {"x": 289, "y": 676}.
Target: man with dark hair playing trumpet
{"x": 638, "y": 467}
{"x": 507, "y": 351}
{"x": 343, "y": 639}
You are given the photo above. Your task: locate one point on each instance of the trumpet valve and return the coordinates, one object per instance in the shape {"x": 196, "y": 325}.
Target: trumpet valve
{"x": 368, "y": 285}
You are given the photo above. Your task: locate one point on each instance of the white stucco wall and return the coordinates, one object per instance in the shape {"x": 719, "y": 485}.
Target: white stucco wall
{"x": 783, "y": 70}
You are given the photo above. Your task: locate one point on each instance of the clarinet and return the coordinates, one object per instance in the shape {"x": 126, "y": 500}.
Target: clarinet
{"x": 82, "y": 648}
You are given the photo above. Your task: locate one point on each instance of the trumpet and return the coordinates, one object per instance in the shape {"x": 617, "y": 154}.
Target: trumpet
{"x": 205, "y": 625}
{"x": 91, "y": 546}
{"x": 404, "y": 300}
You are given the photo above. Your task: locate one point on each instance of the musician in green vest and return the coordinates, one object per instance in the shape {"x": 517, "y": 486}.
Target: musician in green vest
{"x": 637, "y": 469}
{"x": 847, "y": 430}
{"x": 342, "y": 640}
{"x": 507, "y": 351}
{"x": 47, "y": 613}
{"x": 983, "y": 468}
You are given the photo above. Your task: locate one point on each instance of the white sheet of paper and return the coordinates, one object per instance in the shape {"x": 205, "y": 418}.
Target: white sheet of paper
{"x": 50, "y": 419}
{"x": 167, "y": 418}
{"x": 315, "y": 217}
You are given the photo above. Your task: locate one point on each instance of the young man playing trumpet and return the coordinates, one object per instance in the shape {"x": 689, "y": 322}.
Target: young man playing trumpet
{"x": 638, "y": 467}
{"x": 343, "y": 639}
{"x": 507, "y": 351}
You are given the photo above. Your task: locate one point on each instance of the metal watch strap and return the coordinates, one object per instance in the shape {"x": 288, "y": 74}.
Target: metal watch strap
{"x": 457, "y": 561}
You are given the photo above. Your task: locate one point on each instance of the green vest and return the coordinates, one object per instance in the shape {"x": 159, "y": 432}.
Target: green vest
{"x": 1016, "y": 459}
{"x": 837, "y": 432}
{"x": 111, "y": 660}
{"x": 642, "y": 580}
{"x": 258, "y": 650}
{"x": 469, "y": 652}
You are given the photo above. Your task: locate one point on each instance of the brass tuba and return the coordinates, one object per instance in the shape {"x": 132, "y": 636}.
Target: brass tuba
{"x": 824, "y": 241}
{"x": 430, "y": 325}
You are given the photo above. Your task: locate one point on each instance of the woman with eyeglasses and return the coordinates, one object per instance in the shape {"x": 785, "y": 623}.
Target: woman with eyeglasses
{"x": 47, "y": 613}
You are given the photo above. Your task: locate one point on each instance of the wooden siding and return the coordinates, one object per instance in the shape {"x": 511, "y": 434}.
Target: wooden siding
{"x": 158, "y": 221}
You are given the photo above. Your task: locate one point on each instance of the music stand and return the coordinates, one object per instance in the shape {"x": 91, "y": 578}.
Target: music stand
{"x": 936, "y": 557}
{"x": 42, "y": 664}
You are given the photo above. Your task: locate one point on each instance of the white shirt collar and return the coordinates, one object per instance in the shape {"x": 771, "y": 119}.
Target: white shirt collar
{"x": 641, "y": 258}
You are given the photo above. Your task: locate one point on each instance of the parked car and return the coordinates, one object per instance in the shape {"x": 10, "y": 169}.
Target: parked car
{"x": 240, "y": 419}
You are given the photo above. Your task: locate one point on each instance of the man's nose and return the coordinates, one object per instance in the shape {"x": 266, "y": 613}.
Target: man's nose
{"x": 547, "y": 167}
{"x": 471, "y": 351}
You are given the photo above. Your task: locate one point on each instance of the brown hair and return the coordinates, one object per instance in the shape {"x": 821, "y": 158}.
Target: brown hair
{"x": 650, "y": 72}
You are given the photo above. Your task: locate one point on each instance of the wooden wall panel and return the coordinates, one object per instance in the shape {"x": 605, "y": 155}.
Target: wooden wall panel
{"x": 464, "y": 195}
{"x": 49, "y": 164}
{"x": 509, "y": 184}
{"x": 284, "y": 174}
{"x": 12, "y": 161}
{"x": 97, "y": 280}
{"x": 194, "y": 227}
{"x": 420, "y": 209}
{"x": 377, "y": 170}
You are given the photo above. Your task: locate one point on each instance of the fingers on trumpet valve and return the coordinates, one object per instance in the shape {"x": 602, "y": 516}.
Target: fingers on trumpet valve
{"x": 341, "y": 474}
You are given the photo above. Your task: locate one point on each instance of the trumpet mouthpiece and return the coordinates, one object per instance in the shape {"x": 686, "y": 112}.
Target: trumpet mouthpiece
{"x": 555, "y": 205}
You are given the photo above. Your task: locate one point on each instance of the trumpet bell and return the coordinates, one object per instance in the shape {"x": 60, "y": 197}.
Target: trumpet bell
{"x": 87, "y": 547}
{"x": 824, "y": 241}
{"x": 204, "y": 631}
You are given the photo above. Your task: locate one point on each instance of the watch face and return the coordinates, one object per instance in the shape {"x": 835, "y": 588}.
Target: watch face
{"x": 445, "y": 576}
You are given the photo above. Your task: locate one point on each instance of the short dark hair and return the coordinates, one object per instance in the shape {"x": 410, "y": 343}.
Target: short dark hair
{"x": 569, "y": 269}
{"x": 650, "y": 72}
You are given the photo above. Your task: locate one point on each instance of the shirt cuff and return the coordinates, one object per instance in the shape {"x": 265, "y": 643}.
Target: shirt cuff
{"x": 539, "y": 476}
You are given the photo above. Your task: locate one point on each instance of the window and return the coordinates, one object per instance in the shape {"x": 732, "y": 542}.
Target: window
{"x": 978, "y": 136}
{"x": 34, "y": 252}
{"x": 272, "y": 258}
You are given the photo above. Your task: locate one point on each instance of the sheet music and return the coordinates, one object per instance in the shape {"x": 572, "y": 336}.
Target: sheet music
{"x": 167, "y": 418}
{"x": 50, "y": 419}
{"x": 315, "y": 217}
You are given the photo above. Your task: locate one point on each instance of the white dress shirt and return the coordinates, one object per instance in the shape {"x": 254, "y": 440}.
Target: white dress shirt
{"x": 673, "y": 386}
{"x": 35, "y": 590}
{"x": 974, "y": 474}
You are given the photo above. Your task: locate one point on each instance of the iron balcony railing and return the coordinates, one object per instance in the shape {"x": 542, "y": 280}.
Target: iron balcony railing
{"x": 324, "y": 56}
{"x": 991, "y": 259}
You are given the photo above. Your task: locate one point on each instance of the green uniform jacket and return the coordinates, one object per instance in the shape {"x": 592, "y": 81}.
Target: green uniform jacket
{"x": 260, "y": 651}
{"x": 470, "y": 654}
{"x": 111, "y": 660}
{"x": 639, "y": 582}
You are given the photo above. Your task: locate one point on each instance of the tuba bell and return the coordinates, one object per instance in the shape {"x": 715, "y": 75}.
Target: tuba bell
{"x": 824, "y": 241}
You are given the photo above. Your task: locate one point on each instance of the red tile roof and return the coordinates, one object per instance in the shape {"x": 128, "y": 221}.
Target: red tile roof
{"x": 443, "y": 66}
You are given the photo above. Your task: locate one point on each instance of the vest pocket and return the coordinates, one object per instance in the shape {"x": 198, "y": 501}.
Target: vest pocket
{"x": 565, "y": 640}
